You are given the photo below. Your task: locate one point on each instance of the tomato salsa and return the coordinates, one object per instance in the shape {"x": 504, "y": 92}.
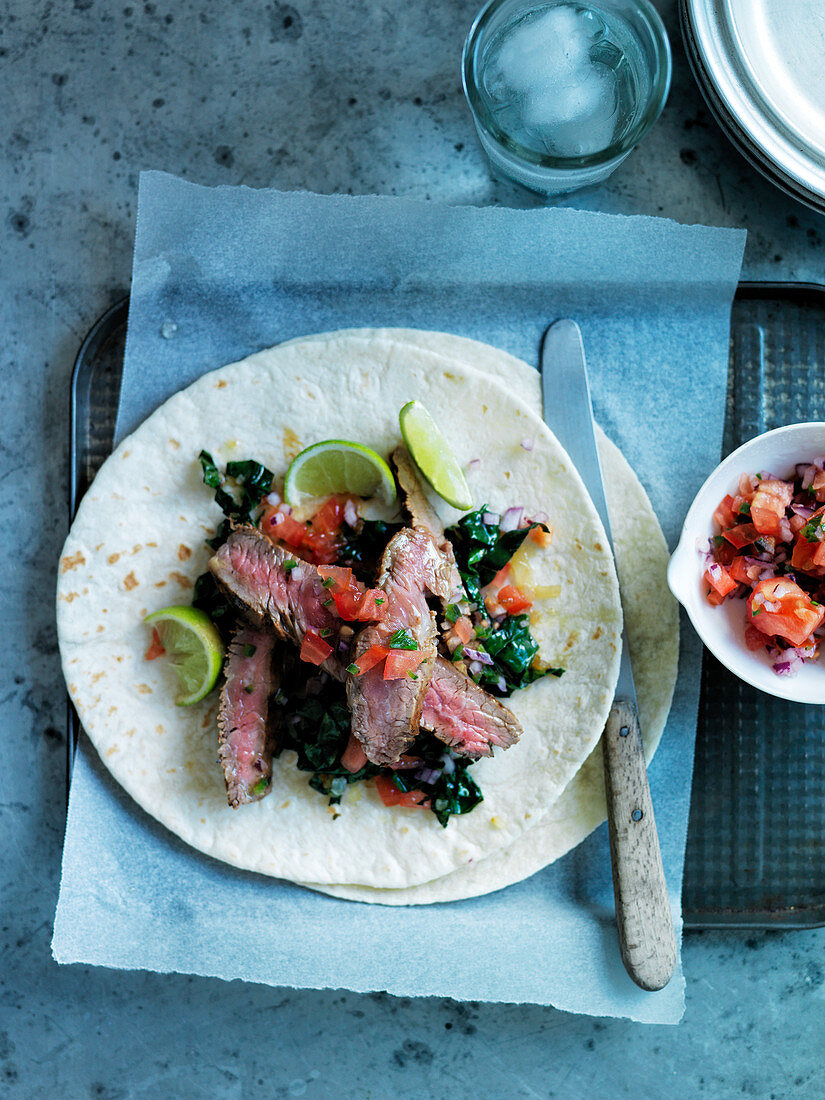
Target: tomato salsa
{"x": 770, "y": 551}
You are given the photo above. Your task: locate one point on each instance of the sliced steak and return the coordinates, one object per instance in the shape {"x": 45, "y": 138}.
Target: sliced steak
{"x": 464, "y": 716}
{"x": 246, "y": 720}
{"x": 275, "y": 590}
{"x": 386, "y": 714}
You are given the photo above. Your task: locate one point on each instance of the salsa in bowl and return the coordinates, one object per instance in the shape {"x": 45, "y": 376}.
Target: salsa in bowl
{"x": 746, "y": 568}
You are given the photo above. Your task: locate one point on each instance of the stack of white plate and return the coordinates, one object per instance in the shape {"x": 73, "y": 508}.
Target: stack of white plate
{"x": 761, "y": 67}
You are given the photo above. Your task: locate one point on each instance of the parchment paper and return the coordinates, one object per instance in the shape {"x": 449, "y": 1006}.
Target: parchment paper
{"x": 221, "y": 272}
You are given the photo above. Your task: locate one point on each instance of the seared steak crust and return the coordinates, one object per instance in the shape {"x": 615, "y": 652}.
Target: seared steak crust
{"x": 464, "y": 716}
{"x": 246, "y": 721}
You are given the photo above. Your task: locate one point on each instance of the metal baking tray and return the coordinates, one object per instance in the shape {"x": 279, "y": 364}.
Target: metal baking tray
{"x": 755, "y": 853}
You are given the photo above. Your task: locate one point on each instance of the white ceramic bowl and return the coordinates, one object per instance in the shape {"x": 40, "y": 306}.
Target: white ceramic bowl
{"x": 722, "y": 628}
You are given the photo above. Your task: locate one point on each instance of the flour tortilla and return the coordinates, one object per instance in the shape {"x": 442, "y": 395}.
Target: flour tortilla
{"x": 136, "y": 545}
{"x": 653, "y": 637}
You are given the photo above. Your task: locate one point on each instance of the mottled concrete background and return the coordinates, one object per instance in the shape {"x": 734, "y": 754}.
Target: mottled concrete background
{"x": 363, "y": 97}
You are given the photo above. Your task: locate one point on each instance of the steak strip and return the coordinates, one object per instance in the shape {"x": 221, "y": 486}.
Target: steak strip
{"x": 246, "y": 720}
{"x": 464, "y": 716}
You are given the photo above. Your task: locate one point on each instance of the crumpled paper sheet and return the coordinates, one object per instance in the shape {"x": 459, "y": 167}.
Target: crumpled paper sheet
{"x": 219, "y": 273}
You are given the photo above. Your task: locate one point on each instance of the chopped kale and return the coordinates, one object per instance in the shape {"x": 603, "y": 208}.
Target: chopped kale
{"x": 364, "y": 545}
{"x": 452, "y": 612}
{"x": 453, "y": 792}
{"x": 209, "y": 598}
{"x": 253, "y": 480}
{"x": 481, "y": 549}
{"x": 249, "y": 650}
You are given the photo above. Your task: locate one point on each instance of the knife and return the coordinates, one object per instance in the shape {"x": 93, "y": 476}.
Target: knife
{"x": 646, "y": 937}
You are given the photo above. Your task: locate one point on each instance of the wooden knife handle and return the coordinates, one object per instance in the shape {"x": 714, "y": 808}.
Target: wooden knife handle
{"x": 645, "y": 925}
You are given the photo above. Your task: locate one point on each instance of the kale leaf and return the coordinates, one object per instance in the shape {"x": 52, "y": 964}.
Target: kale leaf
{"x": 254, "y": 481}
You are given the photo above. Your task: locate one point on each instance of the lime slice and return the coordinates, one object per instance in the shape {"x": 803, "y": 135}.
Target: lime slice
{"x": 194, "y": 647}
{"x": 433, "y": 455}
{"x": 338, "y": 466}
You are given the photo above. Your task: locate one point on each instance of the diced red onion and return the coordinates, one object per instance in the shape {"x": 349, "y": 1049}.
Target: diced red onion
{"x": 819, "y": 462}
{"x": 478, "y": 655}
{"x": 427, "y": 775}
{"x": 474, "y": 464}
{"x": 715, "y": 570}
{"x": 808, "y": 476}
{"x": 802, "y": 510}
{"x": 448, "y": 764}
{"x": 474, "y": 667}
{"x": 527, "y": 444}
{"x": 540, "y": 517}
{"x": 350, "y": 513}
{"x": 273, "y": 498}
{"x": 772, "y": 606}
{"x": 502, "y": 684}
{"x": 788, "y": 662}
{"x": 511, "y": 519}
{"x": 491, "y": 518}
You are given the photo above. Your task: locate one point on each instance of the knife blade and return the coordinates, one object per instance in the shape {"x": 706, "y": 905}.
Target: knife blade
{"x": 643, "y": 918}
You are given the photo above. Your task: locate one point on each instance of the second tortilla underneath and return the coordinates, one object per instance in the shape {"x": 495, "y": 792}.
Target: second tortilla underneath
{"x": 653, "y": 637}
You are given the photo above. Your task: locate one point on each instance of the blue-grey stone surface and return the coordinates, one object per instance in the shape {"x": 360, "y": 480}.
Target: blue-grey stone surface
{"x": 334, "y": 97}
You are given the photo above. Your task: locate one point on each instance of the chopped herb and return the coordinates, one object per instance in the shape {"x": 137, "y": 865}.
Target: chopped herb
{"x": 249, "y": 688}
{"x": 249, "y": 650}
{"x": 354, "y": 670}
{"x": 290, "y": 564}
{"x": 325, "y": 632}
{"x": 452, "y": 612}
{"x": 379, "y": 600}
{"x": 260, "y": 786}
{"x": 329, "y": 602}
{"x": 812, "y": 531}
{"x": 745, "y": 508}
{"x": 401, "y": 640}
{"x": 412, "y": 675}
{"x": 328, "y": 582}
{"x": 814, "y": 603}
{"x": 758, "y": 611}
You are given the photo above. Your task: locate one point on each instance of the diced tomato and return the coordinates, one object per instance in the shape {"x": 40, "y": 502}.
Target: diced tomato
{"x": 347, "y": 604}
{"x": 373, "y": 606}
{"x": 340, "y": 575}
{"x": 724, "y": 515}
{"x": 329, "y": 516}
{"x": 280, "y": 526}
{"x": 539, "y": 536}
{"x": 463, "y": 629}
{"x": 720, "y": 580}
{"x": 809, "y": 557}
{"x": 513, "y": 601}
{"x": 768, "y": 508}
{"x": 744, "y": 572}
{"x": 779, "y": 607}
{"x": 373, "y": 656}
{"x": 391, "y": 796}
{"x": 155, "y": 649}
{"x": 725, "y": 552}
{"x": 740, "y": 535}
{"x": 314, "y": 649}
{"x": 714, "y": 598}
{"x": 400, "y": 662}
{"x": 741, "y": 505}
{"x": 500, "y": 578}
{"x": 796, "y": 523}
{"x": 353, "y": 757}
{"x": 754, "y": 639}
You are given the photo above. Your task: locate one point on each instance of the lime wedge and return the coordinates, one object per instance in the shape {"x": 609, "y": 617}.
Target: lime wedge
{"x": 433, "y": 455}
{"x": 338, "y": 466}
{"x": 194, "y": 647}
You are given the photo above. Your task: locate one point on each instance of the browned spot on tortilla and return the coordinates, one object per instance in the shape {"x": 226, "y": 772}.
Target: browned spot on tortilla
{"x": 174, "y": 443}
{"x": 112, "y": 558}
{"x": 125, "y": 454}
{"x": 284, "y": 804}
{"x": 112, "y": 710}
{"x": 597, "y": 633}
{"x": 160, "y": 584}
{"x": 136, "y": 549}
{"x": 203, "y": 821}
{"x": 151, "y": 544}
{"x": 113, "y": 749}
{"x": 143, "y": 613}
{"x": 144, "y": 689}
{"x": 100, "y": 628}
{"x": 98, "y": 676}
{"x": 292, "y": 445}
{"x": 131, "y": 733}
{"x": 450, "y": 376}
{"x": 183, "y": 581}
{"x": 184, "y": 552}
{"x": 130, "y": 581}
{"x": 98, "y": 546}
{"x": 70, "y": 562}
{"x": 73, "y": 689}
{"x": 221, "y": 385}
{"x": 171, "y": 771}
{"x": 571, "y": 641}
{"x": 158, "y": 729}
{"x": 507, "y": 474}
{"x": 69, "y": 596}
{"x": 598, "y": 546}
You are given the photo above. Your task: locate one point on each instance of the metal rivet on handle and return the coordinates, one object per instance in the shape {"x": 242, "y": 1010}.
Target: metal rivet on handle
{"x": 636, "y": 815}
{"x": 624, "y": 731}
